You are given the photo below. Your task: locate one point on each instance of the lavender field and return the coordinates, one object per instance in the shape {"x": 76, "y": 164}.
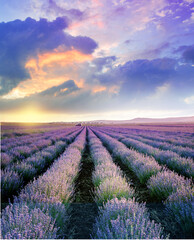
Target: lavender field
{"x": 96, "y": 182}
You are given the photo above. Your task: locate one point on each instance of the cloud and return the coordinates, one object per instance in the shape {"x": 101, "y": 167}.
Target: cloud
{"x": 163, "y": 79}
{"x": 189, "y": 100}
{"x": 21, "y": 40}
{"x": 158, "y": 84}
{"x": 156, "y": 51}
{"x": 60, "y": 90}
{"x": 160, "y": 92}
{"x": 141, "y": 75}
{"x": 188, "y": 54}
{"x": 49, "y": 69}
{"x": 52, "y": 7}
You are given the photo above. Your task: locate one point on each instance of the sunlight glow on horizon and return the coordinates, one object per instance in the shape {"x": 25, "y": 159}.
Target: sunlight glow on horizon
{"x": 35, "y": 114}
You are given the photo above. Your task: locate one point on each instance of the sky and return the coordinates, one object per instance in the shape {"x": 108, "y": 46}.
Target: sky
{"x": 75, "y": 60}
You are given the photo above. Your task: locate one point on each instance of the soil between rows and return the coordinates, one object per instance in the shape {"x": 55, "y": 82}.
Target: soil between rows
{"x": 83, "y": 210}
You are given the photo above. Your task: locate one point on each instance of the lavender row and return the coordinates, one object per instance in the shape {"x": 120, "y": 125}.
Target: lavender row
{"x": 182, "y": 151}
{"x": 19, "y": 153}
{"x": 143, "y": 166}
{"x": 181, "y": 205}
{"x": 107, "y": 177}
{"x": 178, "y": 194}
{"x": 31, "y": 139}
{"x": 184, "y": 166}
{"x": 28, "y": 137}
{"x": 161, "y": 184}
{"x": 16, "y": 175}
{"x": 177, "y": 139}
{"x": 10, "y": 143}
{"x": 43, "y": 201}
{"x": 126, "y": 219}
{"x": 167, "y": 185}
{"x": 118, "y": 210}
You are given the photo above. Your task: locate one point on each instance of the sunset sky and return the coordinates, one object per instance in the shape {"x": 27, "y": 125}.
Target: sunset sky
{"x": 71, "y": 60}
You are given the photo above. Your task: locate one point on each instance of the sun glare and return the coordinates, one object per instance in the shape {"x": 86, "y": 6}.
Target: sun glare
{"x": 26, "y": 114}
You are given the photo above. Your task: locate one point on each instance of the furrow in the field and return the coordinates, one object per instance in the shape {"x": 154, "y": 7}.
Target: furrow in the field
{"x": 83, "y": 209}
{"x": 167, "y": 185}
{"x": 13, "y": 179}
{"x": 115, "y": 198}
{"x": 173, "y": 161}
{"x": 40, "y": 211}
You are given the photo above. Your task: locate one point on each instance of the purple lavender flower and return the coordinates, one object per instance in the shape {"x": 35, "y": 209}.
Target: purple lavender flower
{"x": 107, "y": 177}
{"x": 165, "y": 183}
{"x": 21, "y": 222}
{"x": 125, "y": 219}
{"x": 143, "y": 166}
{"x": 181, "y": 205}
{"x": 10, "y": 183}
{"x": 5, "y": 159}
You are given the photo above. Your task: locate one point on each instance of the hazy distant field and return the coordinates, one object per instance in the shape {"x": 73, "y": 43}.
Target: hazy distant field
{"x": 18, "y": 129}
{"x": 133, "y": 181}
{"x": 176, "y": 127}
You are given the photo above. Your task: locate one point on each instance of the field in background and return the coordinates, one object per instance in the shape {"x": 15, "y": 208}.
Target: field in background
{"x": 99, "y": 181}
{"x": 19, "y": 129}
{"x": 169, "y": 127}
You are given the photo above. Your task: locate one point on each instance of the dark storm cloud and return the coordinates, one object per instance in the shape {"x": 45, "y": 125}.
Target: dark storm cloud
{"x": 20, "y": 40}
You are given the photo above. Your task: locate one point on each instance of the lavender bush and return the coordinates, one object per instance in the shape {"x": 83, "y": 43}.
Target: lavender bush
{"x": 107, "y": 177}
{"x": 10, "y": 183}
{"x": 181, "y": 165}
{"x": 5, "y": 159}
{"x": 111, "y": 188}
{"x": 52, "y": 189}
{"x": 165, "y": 183}
{"x": 20, "y": 149}
{"x": 21, "y": 222}
{"x": 182, "y": 151}
{"x": 125, "y": 219}
{"x": 181, "y": 205}
{"x": 143, "y": 166}
{"x": 25, "y": 170}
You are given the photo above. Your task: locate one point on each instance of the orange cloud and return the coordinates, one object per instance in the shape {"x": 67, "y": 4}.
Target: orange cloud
{"x": 42, "y": 79}
{"x": 62, "y": 58}
{"x": 80, "y": 83}
{"x": 98, "y": 89}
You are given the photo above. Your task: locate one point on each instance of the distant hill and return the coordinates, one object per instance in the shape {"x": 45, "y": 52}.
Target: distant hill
{"x": 143, "y": 121}
{"x": 163, "y": 120}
